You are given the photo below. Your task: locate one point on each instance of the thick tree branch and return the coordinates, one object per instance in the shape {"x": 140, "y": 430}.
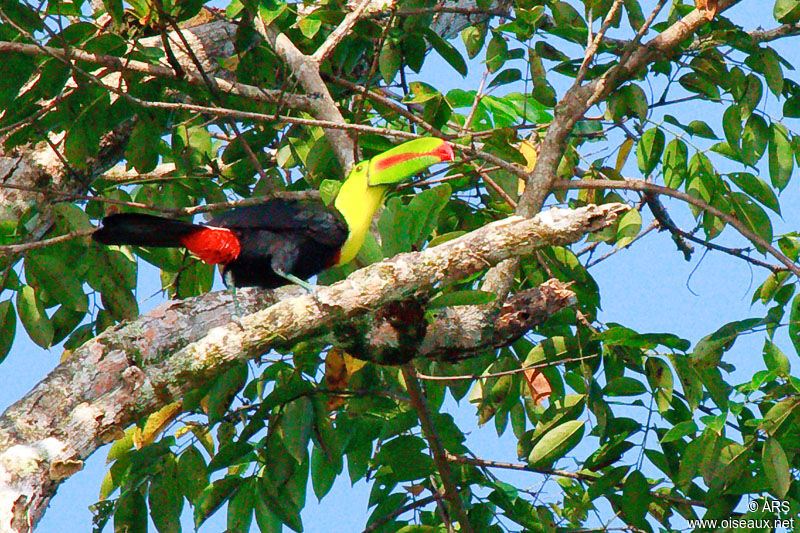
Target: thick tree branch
{"x": 306, "y": 70}
{"x": 580, "y": 98}
{"x": 131, "y": 370}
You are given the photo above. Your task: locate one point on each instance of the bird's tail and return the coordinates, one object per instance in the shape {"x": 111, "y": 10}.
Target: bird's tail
{"x": 143, "y": 230}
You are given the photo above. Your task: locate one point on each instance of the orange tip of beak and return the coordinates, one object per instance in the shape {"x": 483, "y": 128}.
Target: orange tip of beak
{"x": 445, "y": 152}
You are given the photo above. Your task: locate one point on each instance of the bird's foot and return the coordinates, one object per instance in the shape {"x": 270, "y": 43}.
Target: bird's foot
{"x": 297, "y": 281}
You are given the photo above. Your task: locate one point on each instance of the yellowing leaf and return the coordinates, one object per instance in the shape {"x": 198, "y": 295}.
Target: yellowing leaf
{"x": 158, "y": 421}
{"x": 622, "y": 155}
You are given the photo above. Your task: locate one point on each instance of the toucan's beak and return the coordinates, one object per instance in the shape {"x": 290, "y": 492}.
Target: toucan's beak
{"x": 445, "y": 152}
{"x": 405, "y": 160}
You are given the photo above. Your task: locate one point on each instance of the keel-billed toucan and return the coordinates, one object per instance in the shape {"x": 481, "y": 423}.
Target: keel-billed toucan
{"x": 282, "y": 241}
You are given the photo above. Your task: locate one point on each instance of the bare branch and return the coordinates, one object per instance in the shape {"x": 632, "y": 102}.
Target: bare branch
{"x": 306, "y": 70}
{"x": 639, "y": 185}
{"x": 121, "y": 64}
{"x": 435, "y": 444}
{"x": 341, "y": 31}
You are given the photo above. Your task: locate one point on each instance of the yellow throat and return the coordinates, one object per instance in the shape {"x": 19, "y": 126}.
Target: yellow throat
{"x": 365, "y": 188}
{"x": 357, "y": 201}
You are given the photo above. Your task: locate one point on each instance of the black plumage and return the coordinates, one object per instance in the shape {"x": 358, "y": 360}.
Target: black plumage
{"x": 257, "y": 245}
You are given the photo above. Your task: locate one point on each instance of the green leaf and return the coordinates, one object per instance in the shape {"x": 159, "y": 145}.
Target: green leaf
{"x": 119, "y": 302}
{"x": 628, "y": 228}
{"x": 192, "y": 473}
{"x": 781, "y": 162}
{"x": 309, "y": 26}
{"x": 701, "y": 129}
{"x": 8, "y": 327}
{"x": 708, "y": 350}
{"x": 65, "y": 320}
{"x": 82, "y": 141}
{"x": 15, "y": 69}
{"x": 389, "y": 60}
{"x": 224, "y": 390}
{"x": 732, "y": 127}
{"x": 213, "y": 497}
{"x": 635, "y": 100}
{"x": 794, "y": 324}
{"x": 33, "y": 318}
{"x": 649, "y": 149}
{"x": 323, "y": 471}
{"x": 752, "y": 95}
{"x": 679, "y": 430}
{"x": 130, "y": 513}
{"x": 766, "y": 61}
{"x": 754, "y": 139}
{"x": 496, "y": 53}
{"x": 661, "y": 381}
{"x": 283, "y": 507}
{"x": 466, "y": 297}
{"x": 635, "y": 15}
{"x": 675, "y": 163}
{"x": 690, "y": 379}
{"x": 424, "y": 211}
{"x": 447, "y": 51}
{"x": 51, "y": 274}
{"x": 700, "y": 84}
{"x": 404, "y": 456}
{"x": 556, "y": 443}
{"x": 510, "y": 75}
{"x": 775, "y": 359}
{"x": 142, "y": 148}
{"x": 115, "y": 9}
{"x": 756, "y": 189}
{"x": 624, "y": 386}
{"x": 752, "y": 216}
{"x": 776, "y": 467}
{"x": 231, "y": 453}
{"x": 786, "y": 11}
{"x": 474, "y": 37}
{"x": 617, "y": 335}
{"x": 165, "y": 498}
{"x": 241, "y": 505}
{"x": 635, "y": 498}
{"x": 268, "y": 522}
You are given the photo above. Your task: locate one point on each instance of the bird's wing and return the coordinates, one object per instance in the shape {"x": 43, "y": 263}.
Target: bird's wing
{"x": 317, "y": 221}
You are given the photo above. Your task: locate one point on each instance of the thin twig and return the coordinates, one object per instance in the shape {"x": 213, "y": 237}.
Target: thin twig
{"x": 119, "y": 64}
{"x": 471, "y": 377}
{"x": 613, "y": 251}
{"x": 497, "y": 188}
{"x": 435, "y": 444}
{"x": 422, "y": 502}
{"x": 342, "y": 30}
{"x": 591, "y": 50}
{"x": 562, "y": 473}
{"x": 377, "y": 97}
{"x": 736, "y": 252}
{"x": 643, "y": 186}
{"x": 24, "y": 247}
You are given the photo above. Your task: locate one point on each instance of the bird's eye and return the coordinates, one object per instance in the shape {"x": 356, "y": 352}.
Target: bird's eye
{"x": 360, "y": 167}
